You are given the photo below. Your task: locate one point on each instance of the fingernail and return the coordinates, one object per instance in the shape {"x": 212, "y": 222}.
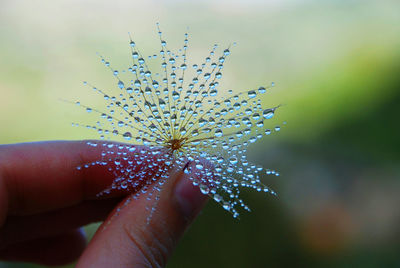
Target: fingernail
{"x": 189, "y": 198}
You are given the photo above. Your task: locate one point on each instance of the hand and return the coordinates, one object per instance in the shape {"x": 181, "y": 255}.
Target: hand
{"x": 44, "y": 200}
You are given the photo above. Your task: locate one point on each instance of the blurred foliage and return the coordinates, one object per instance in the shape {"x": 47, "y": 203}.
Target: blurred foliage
{"x": 335, "y": 65}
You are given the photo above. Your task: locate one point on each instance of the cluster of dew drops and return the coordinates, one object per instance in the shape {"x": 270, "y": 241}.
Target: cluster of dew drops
{"x": 179, "y": 119}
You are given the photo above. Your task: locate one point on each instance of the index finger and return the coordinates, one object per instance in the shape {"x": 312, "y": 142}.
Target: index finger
{"x": 43, "y": 176}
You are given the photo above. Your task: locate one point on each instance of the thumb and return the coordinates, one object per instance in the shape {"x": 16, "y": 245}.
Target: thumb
{"x": 129, "y": 240}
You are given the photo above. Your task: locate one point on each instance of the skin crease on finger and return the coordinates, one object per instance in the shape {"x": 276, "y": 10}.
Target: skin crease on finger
{"x": 54, "y": 250}
{"x": 18, "y": 229}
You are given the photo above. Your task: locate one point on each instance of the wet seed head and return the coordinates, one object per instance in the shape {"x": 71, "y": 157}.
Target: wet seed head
{"x": 179, "y": 112}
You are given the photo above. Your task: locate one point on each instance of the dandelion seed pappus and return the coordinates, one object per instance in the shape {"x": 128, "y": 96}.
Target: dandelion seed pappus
{"x": 179, "y": 115}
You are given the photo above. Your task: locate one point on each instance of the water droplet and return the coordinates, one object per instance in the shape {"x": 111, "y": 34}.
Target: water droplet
{"x": 268, "y": 113}
{"x": 262, "y": 90}
{"x": 218, "y": 133}
{"x": 127, "y": 136}
{"x": 226, "y": 206}
{"x": 204, "y": 189}
{"x": 252, "y": 94}
{"x": 199, "y": 166}
{"x": 233, "y": 160}
{"x": 217, "y": 198}
{"x": 121, "y": 84}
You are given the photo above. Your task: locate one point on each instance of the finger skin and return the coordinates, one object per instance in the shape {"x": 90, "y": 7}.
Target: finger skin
{"x": 55, "y": 250}
{"x": 18, "y": 229}
{"x": 129, "y": 241}
{"x": 42, "y": 194}
{"x": 42, "y": 176}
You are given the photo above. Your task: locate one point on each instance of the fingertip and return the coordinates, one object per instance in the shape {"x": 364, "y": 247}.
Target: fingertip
{"x": 190, "y": 200}
{"x": 138, "y": 236}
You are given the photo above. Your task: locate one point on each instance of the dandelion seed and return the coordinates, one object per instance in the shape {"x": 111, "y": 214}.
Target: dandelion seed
{"x": 180, "y": 119}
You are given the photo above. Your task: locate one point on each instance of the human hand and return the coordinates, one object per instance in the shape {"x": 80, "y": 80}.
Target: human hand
{"x": 44, "y": 200}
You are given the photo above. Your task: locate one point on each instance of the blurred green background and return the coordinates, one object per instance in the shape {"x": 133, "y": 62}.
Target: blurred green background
{"x": 336, "y": 65}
